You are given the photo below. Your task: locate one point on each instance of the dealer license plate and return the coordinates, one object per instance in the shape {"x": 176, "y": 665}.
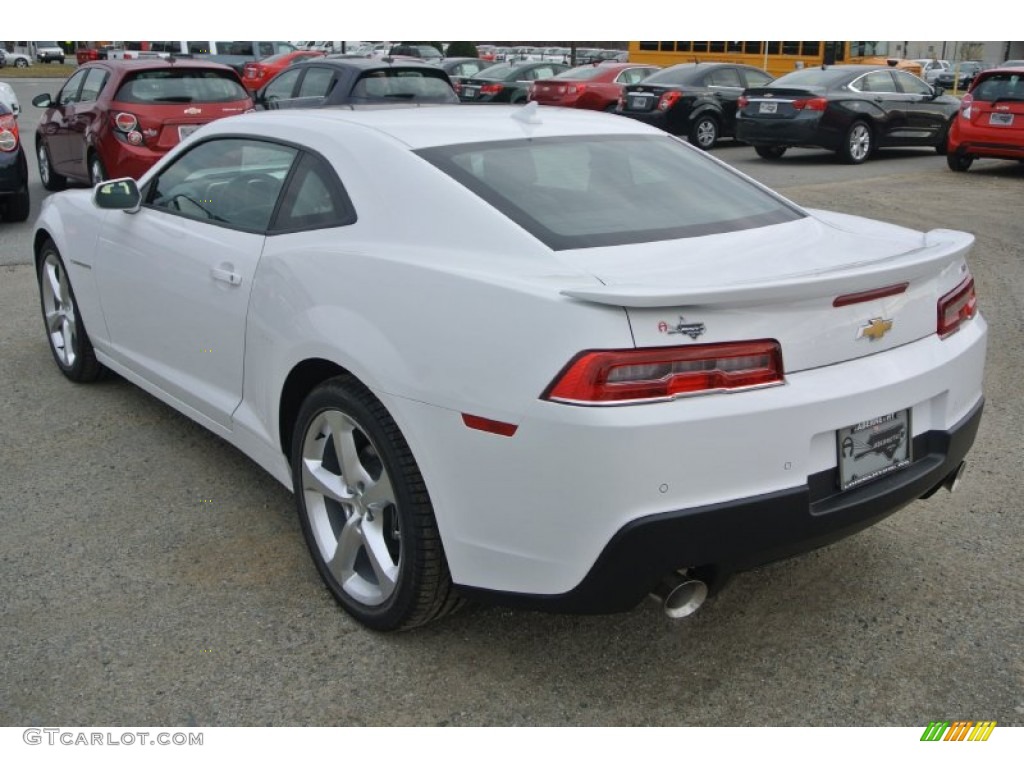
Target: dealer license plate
{"x": 187, "y": 130}
{"x": 469, "y": 93}
{"x": 637, "y": 102}
{"x": 1000, "y": 118}
{"x": 768, "y": 107}
{"x": 873, "y": 448}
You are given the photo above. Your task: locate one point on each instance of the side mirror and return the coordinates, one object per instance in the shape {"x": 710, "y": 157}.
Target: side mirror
{"x": 937, "y": 90}
{"x": 43, "y": 101}
{"x": 118, "y": 195}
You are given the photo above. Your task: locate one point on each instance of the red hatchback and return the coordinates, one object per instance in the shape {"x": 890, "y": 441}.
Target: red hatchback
{"x": 256, "y": 74}
{"x": 594, "y": 86}
{"x": 990, "y": 122}
{"x": 117, "y": 118}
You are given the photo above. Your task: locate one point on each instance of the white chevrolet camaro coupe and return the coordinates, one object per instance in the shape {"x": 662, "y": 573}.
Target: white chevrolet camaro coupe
{"x": 546, "y": 358}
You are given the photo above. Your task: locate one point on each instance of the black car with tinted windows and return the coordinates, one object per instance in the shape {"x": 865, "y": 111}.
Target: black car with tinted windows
{"x": 326, "y": 82}
{"x": 697, "y": 101}
{"x": 461, "y": 68}
{"x": 850, "y": 109}
{"x": 507, "y": 83}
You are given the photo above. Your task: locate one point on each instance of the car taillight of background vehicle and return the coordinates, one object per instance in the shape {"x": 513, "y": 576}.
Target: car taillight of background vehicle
{"x": 957, "y": 307}
{"x": 491, "y": 88}
{"x": 8, "y": 133}
{"x": 620, "y": 377}
{"x": 668, "y": 100}
{"x": 965, "y": 106}
{"x": 127, "y": 126}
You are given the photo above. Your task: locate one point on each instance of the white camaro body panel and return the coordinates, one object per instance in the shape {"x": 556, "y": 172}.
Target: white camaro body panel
{"x": 442, "y": 306}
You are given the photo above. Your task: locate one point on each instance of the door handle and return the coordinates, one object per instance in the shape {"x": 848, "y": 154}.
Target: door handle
{"x": 231, "y": 278}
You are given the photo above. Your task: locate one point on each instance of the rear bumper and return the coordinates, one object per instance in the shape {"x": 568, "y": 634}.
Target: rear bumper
{"x": 795, "y": 132}
{"x": 729, "y": 537}
{"x": 13, "y": 172}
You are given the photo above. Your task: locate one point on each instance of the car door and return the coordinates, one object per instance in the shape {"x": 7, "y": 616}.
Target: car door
{"x": 280, "y": 91}
{"x": 927, "y": 116}
{"x": 53, "y": 126}
{"x": 175, "y": 277}
{"x": 83, "y": 118}
{"x": 726, "y": 87}
{"x": 880, "y": 90}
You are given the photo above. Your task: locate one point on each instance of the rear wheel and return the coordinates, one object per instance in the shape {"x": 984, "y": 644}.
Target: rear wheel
{"x": 704, "y": 132}
{"x": 943, "y": 146}
{"x": 770, "y": 151}
{"x": 21, "y": 63}
{"x": 365, "y": 511}
{"x": 52, "y": 180}
{"x": 858, "y": 144}
{"x": 958, "y": 161}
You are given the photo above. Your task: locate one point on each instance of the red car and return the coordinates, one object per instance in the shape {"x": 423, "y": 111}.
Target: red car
{"x": 256, "y": 74}
{"x": 990, "y": 122}
{"x": 594, "y": 86}
{"x": 117, "y": 118}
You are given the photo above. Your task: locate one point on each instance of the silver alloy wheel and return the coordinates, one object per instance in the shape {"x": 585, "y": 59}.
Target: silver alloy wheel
{"x": 44, "y": 165}
{"x": 859, "y": 142}
{"x": 59, "y": 310}
{"x": 707, "y": 133}
{"x": 20, "y": 63}
{"x": 351, "y": 507}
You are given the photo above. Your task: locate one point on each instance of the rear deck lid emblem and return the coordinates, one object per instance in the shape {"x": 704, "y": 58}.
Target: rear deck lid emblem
{"x": 874, "y": 329}
{"x": 693, "y": 330}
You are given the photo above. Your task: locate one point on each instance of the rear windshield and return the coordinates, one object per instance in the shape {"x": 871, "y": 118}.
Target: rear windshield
{"x": 580, "y": 73}
{"x": 812, "y": 76}
{"x": 180, "y": 86}
{"x": 497, "y": 72}
{"x": 404, "y": 85}
{"x": 582, "y": 192}
{"x": 1001, "y": 86}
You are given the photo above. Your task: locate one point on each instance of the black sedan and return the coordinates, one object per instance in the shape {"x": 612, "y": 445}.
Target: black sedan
{"x": 327, "y": 82}
{"x": 462, "y": 68}
{"x": 693, "y": 100}
{"x": 959, "y": 76}
{"x": 850, "y": 109}
{"x": 14, "y": 202}
{"x": 508, "y": 83}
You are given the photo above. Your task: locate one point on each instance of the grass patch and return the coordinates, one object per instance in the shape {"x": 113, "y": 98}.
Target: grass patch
{"x": 49, "y": 69}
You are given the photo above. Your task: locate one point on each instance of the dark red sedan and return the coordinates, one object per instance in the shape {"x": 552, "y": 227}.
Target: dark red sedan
{"x": 117, "y": 118}
{"x": 594, "y": 86}
{"x": 256, "y": 74}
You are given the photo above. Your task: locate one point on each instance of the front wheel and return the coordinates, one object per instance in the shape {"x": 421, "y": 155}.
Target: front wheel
{"x": 770, "y": 151}
{"x": 365, "y": 511}
{"x": 69, "y": 341}
{"x": 858, "y": 144}
{"x": 942, "y": 147}
{"x": 704, "y": 132}
{"x": 21, "y": 63}
{"x": 958, "y": 161}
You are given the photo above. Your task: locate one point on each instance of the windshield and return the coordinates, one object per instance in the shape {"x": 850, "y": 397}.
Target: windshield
{"x": 582, "y": 192}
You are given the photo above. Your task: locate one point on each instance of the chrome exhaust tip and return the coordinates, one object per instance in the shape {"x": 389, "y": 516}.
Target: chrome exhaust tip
{"x": 680, "y": 595}
{"x": 952, "y": 481}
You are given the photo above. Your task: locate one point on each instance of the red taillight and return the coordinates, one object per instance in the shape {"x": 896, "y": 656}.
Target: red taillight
{"x": 648, "y": 375}
{"x": 812, "y": 105}
{"x": 956, "y": 307}
{"x": 668, "y": 100}
{"x": 742, "y": 101}
{"x": 576, "y": 88}
{"x": 965, "y": 105}
{"x": 8, "y": 133}
{"x": 126, "y": 122}
{"x": 491, "y": 88}
{"x": 621, "y": 105}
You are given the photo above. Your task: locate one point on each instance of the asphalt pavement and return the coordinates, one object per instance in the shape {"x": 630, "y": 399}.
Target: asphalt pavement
{"x": 155, "y": 576}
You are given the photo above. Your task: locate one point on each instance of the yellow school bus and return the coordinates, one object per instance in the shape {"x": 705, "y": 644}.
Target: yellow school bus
{"x": 777, "y": 58}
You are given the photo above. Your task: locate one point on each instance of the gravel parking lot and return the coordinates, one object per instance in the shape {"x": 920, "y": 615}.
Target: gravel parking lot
{"x": 155, "y": 576}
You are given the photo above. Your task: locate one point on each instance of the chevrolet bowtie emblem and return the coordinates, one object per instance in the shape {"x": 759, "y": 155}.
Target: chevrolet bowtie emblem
{"x": 875, "y": 329}
{"x": 193, "y": 111}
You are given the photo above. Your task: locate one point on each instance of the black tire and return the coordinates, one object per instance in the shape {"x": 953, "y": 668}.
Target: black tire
{"x": 18, "y": 206}
{"x": 69, "y": 341}
{"x": 942, "y": 147}
{"x": 858, "y": 144}
{"x": 770, "y": 151}
{"x": 52, "y": 180}
{"x": 704, "y": 132}
{"x": 97, "y": 173}
{"x": 374, "y": 541}
{"x": 958, "y": 161}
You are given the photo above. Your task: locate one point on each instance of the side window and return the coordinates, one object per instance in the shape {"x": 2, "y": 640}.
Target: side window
{"x": 314, "y": 199}
{"x": 94, "y": 82}
{"x": 317, "y": 82}
{"x": 728, "y": 78}
{"x": 69, "y": 93}
{"x": 282, "y": 86}
{"x": 910, "y": 84}
{"x": 755, "y": 79}
{"x": 233, "y": 182}
{"x": 876, "y": 82}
